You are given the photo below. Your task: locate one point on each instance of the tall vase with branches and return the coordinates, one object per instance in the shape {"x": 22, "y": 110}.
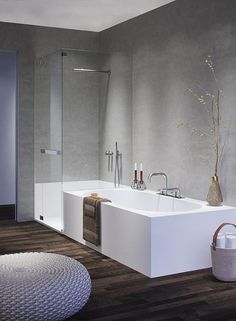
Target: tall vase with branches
{"x": 213, "y": 133}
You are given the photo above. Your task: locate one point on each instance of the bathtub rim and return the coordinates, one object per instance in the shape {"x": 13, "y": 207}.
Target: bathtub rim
{"x": 203, "y": 206}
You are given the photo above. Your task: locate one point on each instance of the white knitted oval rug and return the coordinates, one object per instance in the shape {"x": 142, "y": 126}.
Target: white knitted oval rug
{"x": 41, "y": 287}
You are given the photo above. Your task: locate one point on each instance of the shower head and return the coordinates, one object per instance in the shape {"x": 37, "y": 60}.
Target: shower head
{"x": 91, "y": 70}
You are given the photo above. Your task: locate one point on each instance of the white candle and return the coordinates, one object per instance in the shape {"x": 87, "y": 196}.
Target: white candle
{"x": 228, "y": 233}
{"x": 220, "y": 241}
{"x": 230, "y": 241}
{"x": 141, "y": 166}
{"x": 135, "y": 166}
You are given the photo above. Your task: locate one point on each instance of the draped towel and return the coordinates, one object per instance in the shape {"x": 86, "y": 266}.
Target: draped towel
{"x": 92, "y": 219}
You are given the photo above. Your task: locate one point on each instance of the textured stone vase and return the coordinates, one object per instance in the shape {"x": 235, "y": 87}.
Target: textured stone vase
{"x": 214, "y": 196}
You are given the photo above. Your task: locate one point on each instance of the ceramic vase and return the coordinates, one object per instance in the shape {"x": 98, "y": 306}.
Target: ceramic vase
{"x": 214, "y": 196}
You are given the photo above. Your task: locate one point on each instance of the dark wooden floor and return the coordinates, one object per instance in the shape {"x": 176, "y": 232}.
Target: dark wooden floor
{"x": 120, "y": 293}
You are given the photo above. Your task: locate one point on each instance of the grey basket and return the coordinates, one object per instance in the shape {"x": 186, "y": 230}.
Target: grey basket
{"x": 223, "y": 260}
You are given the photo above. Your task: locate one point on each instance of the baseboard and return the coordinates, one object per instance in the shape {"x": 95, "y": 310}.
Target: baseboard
{"x": 7, "y": 212}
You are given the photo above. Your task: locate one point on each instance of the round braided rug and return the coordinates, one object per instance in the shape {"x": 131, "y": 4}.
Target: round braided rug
{"x": 41, "y": 287}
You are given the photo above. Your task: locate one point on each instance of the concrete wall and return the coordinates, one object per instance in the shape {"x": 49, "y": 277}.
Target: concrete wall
{"x": 30, "y": 42}
{"x": 115, "y": 118}
{"x": 93, "y": 105}
{"x": 8, "y": 83}
{"x": 80, "y": 117}
{"x": 168, "y": 46}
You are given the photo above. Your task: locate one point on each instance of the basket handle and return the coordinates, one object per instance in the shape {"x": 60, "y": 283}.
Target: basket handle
{"x": 217, "y": 232}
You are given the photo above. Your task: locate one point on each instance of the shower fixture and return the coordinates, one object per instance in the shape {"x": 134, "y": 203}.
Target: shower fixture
{"x": 109, "y": 155}
{"x": 118, "y": 167}
{"x": 91, "y": 70}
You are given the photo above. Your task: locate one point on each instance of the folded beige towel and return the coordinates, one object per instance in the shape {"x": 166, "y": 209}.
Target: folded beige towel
{"x": 92, "y": 219}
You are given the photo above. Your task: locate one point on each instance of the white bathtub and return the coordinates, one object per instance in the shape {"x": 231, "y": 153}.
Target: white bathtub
{"x": 145, "y": 202}
{"x": 154, "y": 234}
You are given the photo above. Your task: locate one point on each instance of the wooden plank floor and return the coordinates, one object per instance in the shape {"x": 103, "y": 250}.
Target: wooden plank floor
{"x": 120, "y": 293}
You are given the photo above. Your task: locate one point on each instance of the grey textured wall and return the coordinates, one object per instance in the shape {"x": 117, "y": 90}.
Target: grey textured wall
{"x": 80, "y": 117}
{"x": 29, "y": 42}
{"x": 168, "y": 46}
{"x": 116, "y": 115}
{"x": 93, "y": 105}
{"x": 8, "y": 128}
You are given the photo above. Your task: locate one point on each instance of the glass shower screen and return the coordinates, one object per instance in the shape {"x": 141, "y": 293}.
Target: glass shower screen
{"x": 48, "y": 140}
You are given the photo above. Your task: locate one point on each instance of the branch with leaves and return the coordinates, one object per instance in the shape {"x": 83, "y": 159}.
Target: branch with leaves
{"x": 211, "y": 103}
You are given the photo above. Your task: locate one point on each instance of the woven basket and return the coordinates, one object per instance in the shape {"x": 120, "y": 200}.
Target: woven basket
{"x": 223, "y": 260}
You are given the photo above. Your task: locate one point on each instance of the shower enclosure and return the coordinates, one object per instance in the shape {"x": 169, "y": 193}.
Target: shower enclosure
{"x": 76, "y": 97}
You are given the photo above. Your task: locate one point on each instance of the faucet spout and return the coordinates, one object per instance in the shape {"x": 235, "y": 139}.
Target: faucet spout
{"x": 159, "y": 174}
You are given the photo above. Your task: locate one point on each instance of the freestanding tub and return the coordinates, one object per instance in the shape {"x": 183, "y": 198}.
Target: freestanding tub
{"x": 154, "y": 234}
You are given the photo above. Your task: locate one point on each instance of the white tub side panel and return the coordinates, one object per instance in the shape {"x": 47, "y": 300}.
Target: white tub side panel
{"x": 52, "y": 205}
{"x": 38, "y": 200}
{"x": 182, "y": 243}
{"x": 126, "y": 238}
{"x": 73, "y": 217}
{"x": 48, "y": 203}
{"x": 52, "y": 200}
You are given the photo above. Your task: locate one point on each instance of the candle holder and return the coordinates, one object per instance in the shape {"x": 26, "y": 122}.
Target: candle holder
{"x": 134, "y": 184}
{"x": 141, "y": 185}
{"x": 138, "y": 184}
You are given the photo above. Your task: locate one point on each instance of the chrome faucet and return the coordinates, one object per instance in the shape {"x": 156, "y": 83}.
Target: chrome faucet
{"x": 161, "y": 174}
{"x": 168, "y": 191}
{"x": 172, "y": 191}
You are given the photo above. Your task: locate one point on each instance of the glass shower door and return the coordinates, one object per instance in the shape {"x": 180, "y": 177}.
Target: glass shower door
{"x": 48, "y": 140}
